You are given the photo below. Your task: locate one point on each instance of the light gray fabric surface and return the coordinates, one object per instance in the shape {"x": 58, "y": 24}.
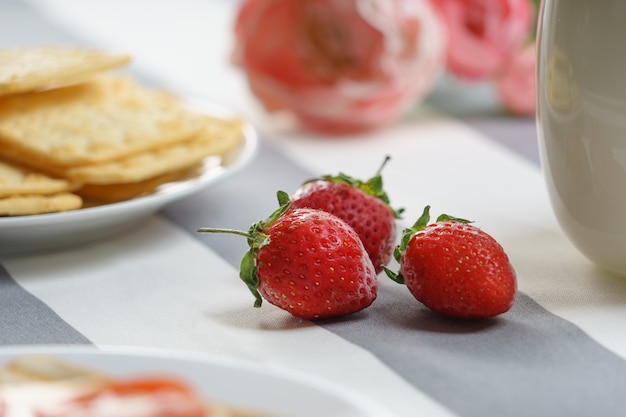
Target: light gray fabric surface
{"x": 533, "y": 364}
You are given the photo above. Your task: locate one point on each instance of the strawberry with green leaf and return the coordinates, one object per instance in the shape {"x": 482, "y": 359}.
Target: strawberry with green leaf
{"x": 307, "y": 262}
{"x": 455, "y": 268}
{"x": 364, "y": 205}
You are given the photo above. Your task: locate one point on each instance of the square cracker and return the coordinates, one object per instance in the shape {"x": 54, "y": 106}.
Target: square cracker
{"x": 100, "y": 120}
{"x": 20, "y": 205}
{"x": 216, "y": 138}
{"x": 98, "y": 194}
{"x": 16, "y": 180}
{"x": 34, "y": 68}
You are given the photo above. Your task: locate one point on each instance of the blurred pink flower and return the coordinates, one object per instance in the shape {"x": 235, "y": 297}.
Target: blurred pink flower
{"x": 482, "y": 34}
{"x": 339, "y": 65}
{"x": 516, "y": 84}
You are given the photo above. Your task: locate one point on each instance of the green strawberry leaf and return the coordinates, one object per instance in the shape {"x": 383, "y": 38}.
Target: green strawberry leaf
{"x": 409, "y": 232}
{"x": 257, "y": 228}
{"x": 445, "y": 218}
{"x": 395, "y": 276}
{"x": 247, "y": 273}
{"x": 420, "y": 224}
{"x": 373, "y": 186}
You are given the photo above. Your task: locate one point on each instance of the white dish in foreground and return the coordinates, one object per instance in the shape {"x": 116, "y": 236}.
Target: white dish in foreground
{"x": 270, "y": 390}
{"x": 27, "y": 234}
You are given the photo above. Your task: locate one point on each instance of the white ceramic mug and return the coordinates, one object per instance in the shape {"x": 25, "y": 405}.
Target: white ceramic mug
{"x": 581, "y": 116}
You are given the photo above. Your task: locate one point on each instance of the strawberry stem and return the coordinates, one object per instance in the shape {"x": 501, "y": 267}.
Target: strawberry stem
{"x": 380, "y": 170}
{"x": 218, "y": 230}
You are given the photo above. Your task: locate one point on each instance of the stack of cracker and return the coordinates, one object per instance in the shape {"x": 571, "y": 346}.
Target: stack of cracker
{"x": 73, "y": 133}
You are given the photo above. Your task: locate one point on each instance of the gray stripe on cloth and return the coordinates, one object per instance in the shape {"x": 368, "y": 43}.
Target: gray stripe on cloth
{"x": 516, "y": 134}
{"x": 526, "y": 362}
{"x": 27, "y": 320}
{"x": 21, "y": 26}
{"x": 478, "y": 107}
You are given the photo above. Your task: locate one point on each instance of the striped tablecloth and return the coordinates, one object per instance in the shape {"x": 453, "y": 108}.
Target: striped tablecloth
{"x": 560, "y": 351}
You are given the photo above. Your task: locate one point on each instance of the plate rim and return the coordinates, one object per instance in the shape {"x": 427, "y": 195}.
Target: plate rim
{"x": 359, "y": 401}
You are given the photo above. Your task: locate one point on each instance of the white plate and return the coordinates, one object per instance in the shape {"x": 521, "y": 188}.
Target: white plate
{"x": 28, "y": 234}
{"x": 270, "y": 390}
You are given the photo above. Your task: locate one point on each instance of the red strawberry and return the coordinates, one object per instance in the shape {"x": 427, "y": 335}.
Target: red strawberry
{"x": 455, "y": 268}
{"x": 307, "y": 262}
{"x": 363, "y": 205}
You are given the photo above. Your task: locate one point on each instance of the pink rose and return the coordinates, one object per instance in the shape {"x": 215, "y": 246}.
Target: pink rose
{"x": 339, "y": 65}
{"x": 516, "y": 85}
{"x": 482, "y": 34}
